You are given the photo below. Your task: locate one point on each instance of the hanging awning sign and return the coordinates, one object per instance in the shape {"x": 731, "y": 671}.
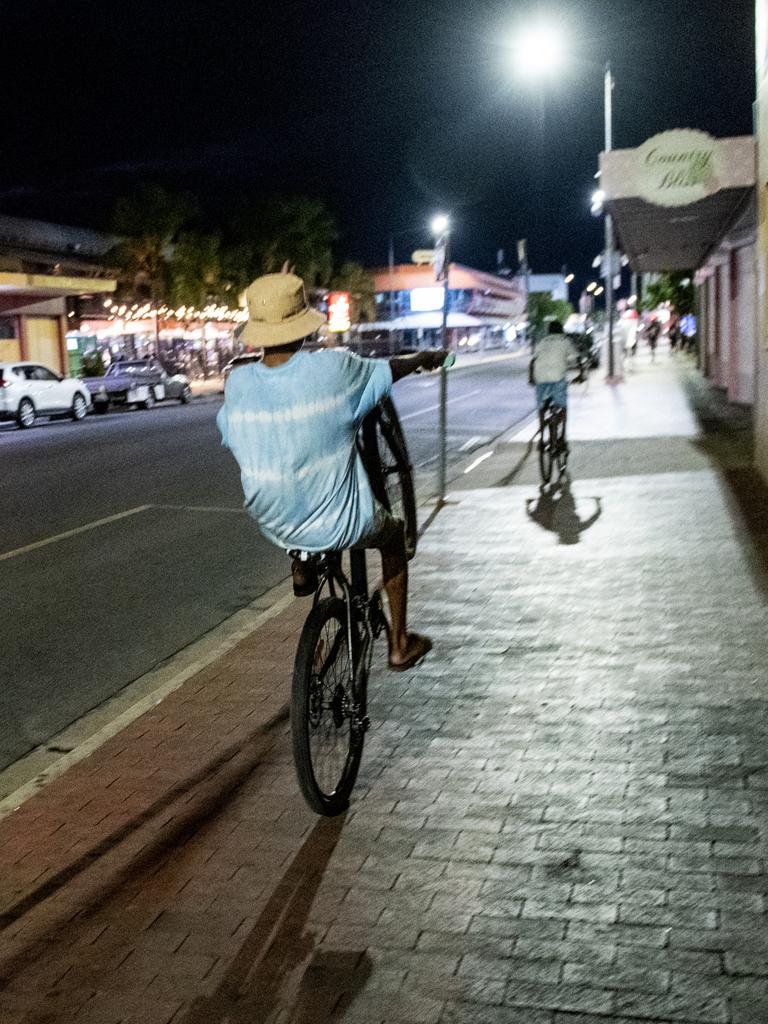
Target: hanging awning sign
{"x": 677, "y": 168}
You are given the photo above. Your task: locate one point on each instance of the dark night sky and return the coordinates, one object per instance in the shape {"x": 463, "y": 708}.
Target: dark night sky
{"x": 386, "y": 109}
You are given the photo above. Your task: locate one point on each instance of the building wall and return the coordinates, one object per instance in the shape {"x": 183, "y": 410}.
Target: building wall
{"x": 742, "y": 382}
{"x": 43, "y": 341}
{"x": 727, "y": 318}
{"x": 761, "y": 129}
{"x": 714, "y": 325}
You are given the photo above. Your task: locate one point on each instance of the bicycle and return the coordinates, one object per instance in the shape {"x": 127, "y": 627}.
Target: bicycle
{"x": 329, "y": 717}
{"x": 553, "y": 447}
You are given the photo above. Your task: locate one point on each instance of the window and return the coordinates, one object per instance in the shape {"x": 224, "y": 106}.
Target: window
{"x": 7, "y": 328}
{"x": 42, "y": 373}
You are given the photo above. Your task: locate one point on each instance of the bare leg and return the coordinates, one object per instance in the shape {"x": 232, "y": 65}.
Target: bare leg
{"x": 402, "y": 644}
{"x": 394, "y": 567}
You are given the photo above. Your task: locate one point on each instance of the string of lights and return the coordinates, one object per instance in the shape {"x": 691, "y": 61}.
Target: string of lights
{"x": 212, "y": 312}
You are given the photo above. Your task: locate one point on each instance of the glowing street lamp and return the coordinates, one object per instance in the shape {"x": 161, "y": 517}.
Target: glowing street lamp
{"x": 592, "y": 286}
{"x": 440, "y": 224}
{"x": 538, "y": 50}
{"x": 569, "y": 278}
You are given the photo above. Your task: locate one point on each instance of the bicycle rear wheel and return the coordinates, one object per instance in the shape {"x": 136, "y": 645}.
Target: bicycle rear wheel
{"x": 385, "y": 457}
{"x": 327, "y": 742}
{"x": 561, "y": 448}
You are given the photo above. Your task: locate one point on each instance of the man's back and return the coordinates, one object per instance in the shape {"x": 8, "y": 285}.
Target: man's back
{"x": 292, "y": 430}
{"x": 551, "y": 358}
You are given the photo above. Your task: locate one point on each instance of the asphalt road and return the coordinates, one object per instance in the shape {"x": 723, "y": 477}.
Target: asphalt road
{"x": 122, "y": 539}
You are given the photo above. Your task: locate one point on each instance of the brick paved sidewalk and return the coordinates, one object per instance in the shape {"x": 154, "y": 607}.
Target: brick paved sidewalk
{"x": 560, "y": 818}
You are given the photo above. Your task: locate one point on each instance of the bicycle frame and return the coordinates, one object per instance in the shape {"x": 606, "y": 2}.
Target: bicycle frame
{"x": 355, "y": 594}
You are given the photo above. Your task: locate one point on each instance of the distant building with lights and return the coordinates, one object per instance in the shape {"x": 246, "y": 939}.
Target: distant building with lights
{"x": 484, "y": 310}
{"x": 57, "y": 304}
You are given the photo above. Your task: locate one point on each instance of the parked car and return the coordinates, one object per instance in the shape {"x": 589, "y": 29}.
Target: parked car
{"x": 139, "y": 382}
{"x": 588, "y": 345}
{"x": 29, "y": 390}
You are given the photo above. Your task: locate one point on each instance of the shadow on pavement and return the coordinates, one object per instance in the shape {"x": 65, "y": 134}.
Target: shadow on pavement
{"x": 727, "y": 439}
{"x": 748, "y": 495}
{"x": 267, "y": 972}
{"x": 555, "y": 511}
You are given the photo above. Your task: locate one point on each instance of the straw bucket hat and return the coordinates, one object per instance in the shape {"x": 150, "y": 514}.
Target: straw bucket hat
{"x": 278, "y": 311}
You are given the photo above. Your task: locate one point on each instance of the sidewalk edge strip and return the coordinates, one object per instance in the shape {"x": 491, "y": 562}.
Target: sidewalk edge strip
{"x": 109, "y": 842}
{"x": 14, "y": 800}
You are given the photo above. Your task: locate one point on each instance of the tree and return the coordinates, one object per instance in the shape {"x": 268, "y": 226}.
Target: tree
{"x": 297, "y": 231}
{"x": 675, "y": 288}
{"x": 352, "y": 278}
{"x": 149, "y": 221}
{"x": 195, "y": 271}
{"x": 542, "y": 308}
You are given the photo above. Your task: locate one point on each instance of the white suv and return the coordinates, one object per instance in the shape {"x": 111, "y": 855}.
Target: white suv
{"x": 29, "y": 390}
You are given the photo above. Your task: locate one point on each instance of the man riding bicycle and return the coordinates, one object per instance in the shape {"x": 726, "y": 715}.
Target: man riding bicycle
{"x": 291, "y": 422}
{"x": 548, "y": 370}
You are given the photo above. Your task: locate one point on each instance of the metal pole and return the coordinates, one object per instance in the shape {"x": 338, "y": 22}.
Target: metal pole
{"x": 443, "y": 424}
{"x": 609, "y": 246}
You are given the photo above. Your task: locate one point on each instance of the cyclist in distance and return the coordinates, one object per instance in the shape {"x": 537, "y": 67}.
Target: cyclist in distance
{"x": 291, "y": 423}
{"x": 548, "y": 370}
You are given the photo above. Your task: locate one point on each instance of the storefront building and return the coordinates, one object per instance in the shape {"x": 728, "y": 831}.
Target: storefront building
{"x": 46, "y": 272}
{"x": 685, "y": 201}
{"x": 484, "y": 310}
{"x": 197, "y": 343}
{"x": 34, "y": 316}
{"x": 57, "y": 306}
{"x": 761, "y": 262}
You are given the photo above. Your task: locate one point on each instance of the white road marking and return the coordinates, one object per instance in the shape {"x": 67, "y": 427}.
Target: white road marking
{"x": 470, "y": 443}
{"x": 477, "y": 462}
{"x": 431, "y": 408}
{"x": 201, "y": 508}
{"x": 72, "y": 533}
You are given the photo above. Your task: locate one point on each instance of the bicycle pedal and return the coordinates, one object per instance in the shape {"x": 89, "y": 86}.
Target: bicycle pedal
{"x": 365, "y": 724}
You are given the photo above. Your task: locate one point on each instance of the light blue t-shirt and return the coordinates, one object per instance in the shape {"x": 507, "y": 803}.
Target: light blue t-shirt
{"x": 292, "y": 430}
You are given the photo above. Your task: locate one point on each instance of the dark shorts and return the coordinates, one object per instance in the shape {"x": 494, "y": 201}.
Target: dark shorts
{"x": 556, "y": 390}
{"x": 385, "y": 533}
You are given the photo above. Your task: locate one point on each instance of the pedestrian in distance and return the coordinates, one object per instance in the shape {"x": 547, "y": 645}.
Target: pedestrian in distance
{"x": 291, "y": 422}
{"x": 673, "y": 332}
{"x": 652, "y": 334}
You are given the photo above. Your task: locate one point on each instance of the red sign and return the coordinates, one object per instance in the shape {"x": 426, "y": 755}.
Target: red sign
{"x": 339, "y": 311}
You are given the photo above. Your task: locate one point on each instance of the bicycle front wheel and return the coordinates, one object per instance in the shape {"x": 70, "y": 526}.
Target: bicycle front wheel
{"x": 327, "y": 733}
{"x": 385, "y": 456}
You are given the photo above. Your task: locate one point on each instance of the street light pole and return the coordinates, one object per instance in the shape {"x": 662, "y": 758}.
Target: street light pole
{"x": 443, "y": 421}
{"x": 609, "y": 242}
